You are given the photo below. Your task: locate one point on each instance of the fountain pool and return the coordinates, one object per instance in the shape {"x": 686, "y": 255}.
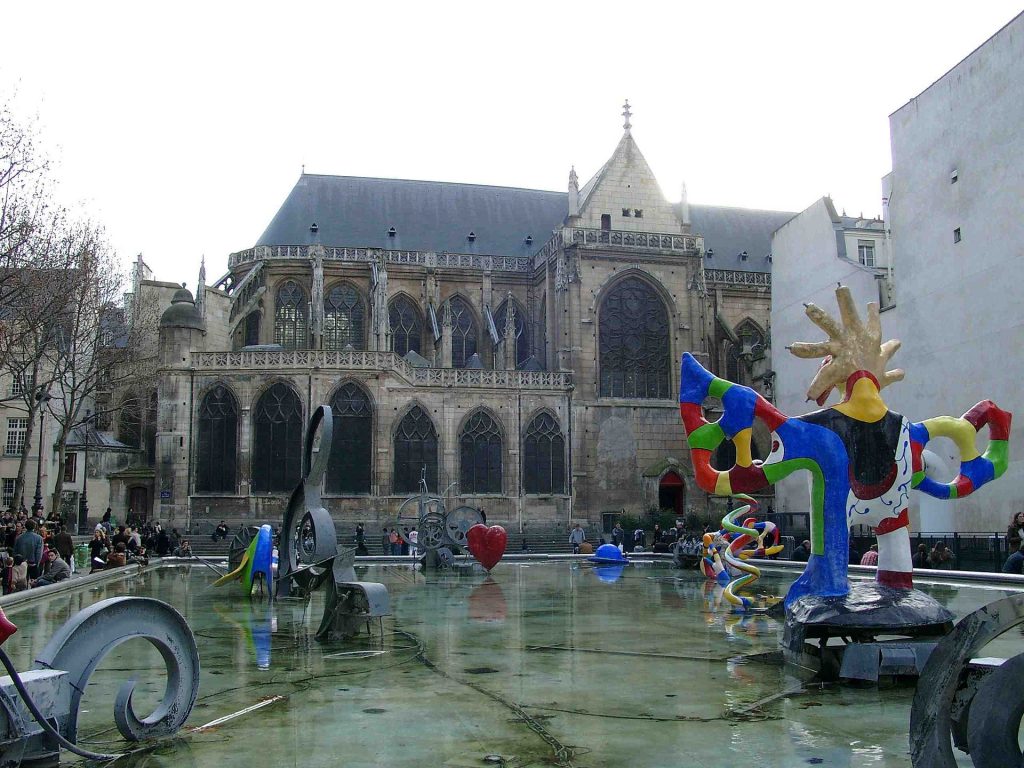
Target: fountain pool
{"x": 545, "y": 663}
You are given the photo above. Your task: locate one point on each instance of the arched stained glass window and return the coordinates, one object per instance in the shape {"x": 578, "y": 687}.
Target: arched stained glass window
{"x": 480, "y": 453}
{"x": 634, "y": 342}
{"x": 738, "y": 358}
{"x": 544, "y": 456}
{"x": 406, "y": 325}
{"x": 291, "y": 317}
{"x": 464, "y": 333}
{"x": 277, "y": 440}
{"x": 218, "y": 442}
{"x": 523, "y": 350}
{"x": 344, "y": 318}
{"x": 415, "y": 451}
{"x": 348, "y": 470}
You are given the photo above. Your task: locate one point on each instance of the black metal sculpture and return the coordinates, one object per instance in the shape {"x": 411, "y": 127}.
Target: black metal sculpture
{"x": 979, "y": 702}
{"x": 309, "y": 551}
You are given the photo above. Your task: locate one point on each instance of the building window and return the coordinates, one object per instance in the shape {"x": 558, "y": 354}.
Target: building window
{"x": 415, "y": 452}
{"x": 277, "y": 440}
{"x": 291, "y": 321}
{"x": 252, "y": 329}
{"x": 634, "y": 342}
{"x": 464, "y": 333}
{"x": 8, "y": 492}
{"x": 956, "y": 235}
{"x": 627, "y": 212}
{"x": 866, "y": 252}
{"x": 638, "y": 213}
{"x": 954, "y": 176}
{"x": 218, "y": 442}
{"x": 344, "y": 318}
{"x": 16, "y": 429}
{"x": 406, "y": 326}
{"x": 348, "y": 471}
{"x": 70, "y": 467}
{"x": 129, "y": 422}
{"x": 18, "y": 385}
{"x": 544, "y": 456}
{"x": 480, "y": 455}
{"x": 606, "y": 221}
{"x": 522, "y": 335}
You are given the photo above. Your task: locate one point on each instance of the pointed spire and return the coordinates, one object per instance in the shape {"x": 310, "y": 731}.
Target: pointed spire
{"x": 510, "y": 316}
{"x": 201, "y": 288}
{"x": 626, "y": 114}
{"x": 574, "y": 193}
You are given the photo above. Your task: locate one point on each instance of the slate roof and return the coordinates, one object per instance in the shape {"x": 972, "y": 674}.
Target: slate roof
{"x": 427, "y": 215}
{"x": 97, "y": 439}
{"x": 438, "y": 216}
{"x": 730, "y": 231}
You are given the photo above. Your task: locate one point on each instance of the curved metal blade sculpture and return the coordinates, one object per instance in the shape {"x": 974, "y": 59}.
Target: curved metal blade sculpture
{"x": 978, "y": 702}
{"x": 310, "y": 554}
{"x": 863, "y": 458}
{"x": 53, "y": 688}
{"x": 309, "y": 540}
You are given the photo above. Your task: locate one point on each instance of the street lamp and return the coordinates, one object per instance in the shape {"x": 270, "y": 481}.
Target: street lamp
{"x": 42, "y": 398}
{"x": 83, "y": 503}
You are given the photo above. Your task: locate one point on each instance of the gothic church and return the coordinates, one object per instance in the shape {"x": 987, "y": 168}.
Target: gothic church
{"x": 517, "y": 348}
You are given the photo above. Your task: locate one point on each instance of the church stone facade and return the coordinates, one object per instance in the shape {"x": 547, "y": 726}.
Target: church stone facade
{"x": 516, "y": 348}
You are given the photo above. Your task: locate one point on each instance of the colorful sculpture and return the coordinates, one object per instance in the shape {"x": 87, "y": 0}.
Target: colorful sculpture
{"x": 725, "y": 552}
{"x": 487, "y": 545}
{"x": 863, "y": 458}
{"x": 255, "y": 566}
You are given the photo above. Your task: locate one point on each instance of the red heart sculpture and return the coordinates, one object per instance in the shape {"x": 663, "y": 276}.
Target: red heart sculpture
{"x": 487, "y": 545}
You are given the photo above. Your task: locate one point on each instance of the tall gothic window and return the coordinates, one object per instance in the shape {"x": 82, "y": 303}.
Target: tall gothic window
{"x": 291, "y": 318}
{"x": 634, "y": 342}
{"x": 480, "y": 453}
{"x": 464, "y": 333}
{"x": 149, "y": 431}
{"x": 522, "y": 332}
{"x": 415, "y": 451}
{"x": 129, "y": 422}
{"x": 738, "y": 358}
{"x": 348, "y": 470}
{"x": 218, "y": 442}
{"x": 277, "y": 440}
{"x": 344, "y": 318}
{"x": 544, "y": 456}
{"x": 406, "y": 325}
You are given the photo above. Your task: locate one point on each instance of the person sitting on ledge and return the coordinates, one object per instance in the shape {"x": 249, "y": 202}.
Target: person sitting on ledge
{"x": 56, "y": 569}
{"x": 871, "y": 556}
{"x": 940, "y": 556}
{"x": 118, "y": 557}
{"x": 1015, "y": 562}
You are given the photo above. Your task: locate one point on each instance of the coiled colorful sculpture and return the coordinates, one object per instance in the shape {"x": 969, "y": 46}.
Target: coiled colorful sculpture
{"x": 729, "y": 549}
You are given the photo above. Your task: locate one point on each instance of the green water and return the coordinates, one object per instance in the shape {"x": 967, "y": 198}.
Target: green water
{"x": 545, "y": 664}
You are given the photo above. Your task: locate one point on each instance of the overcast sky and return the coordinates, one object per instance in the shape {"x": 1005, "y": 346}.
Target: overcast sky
{"x": 183, "y": 126}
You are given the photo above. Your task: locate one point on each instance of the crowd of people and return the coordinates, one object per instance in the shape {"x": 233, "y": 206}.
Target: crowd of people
{"x": 37, "y": 551}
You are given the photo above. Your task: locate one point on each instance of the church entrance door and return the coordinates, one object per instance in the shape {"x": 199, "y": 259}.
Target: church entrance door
{"x": 672, "y": 493}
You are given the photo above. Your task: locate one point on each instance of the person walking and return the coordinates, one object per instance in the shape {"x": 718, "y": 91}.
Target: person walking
{"x": 576, "y": 537}
{"x": 65, "y": 546}
{"x": 414, "y": 542}
{"x": 30, "y": 546}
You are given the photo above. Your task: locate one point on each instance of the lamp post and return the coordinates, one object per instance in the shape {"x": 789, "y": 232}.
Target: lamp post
{"x": 42, "y": 398}
{"x": 83, "y": 503}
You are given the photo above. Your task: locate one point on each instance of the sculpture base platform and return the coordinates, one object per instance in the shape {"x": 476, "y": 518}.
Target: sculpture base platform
{"x": 871, "y": 632}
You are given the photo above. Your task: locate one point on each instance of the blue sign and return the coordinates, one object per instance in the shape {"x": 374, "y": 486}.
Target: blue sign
{"x": 165, "y": 494}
